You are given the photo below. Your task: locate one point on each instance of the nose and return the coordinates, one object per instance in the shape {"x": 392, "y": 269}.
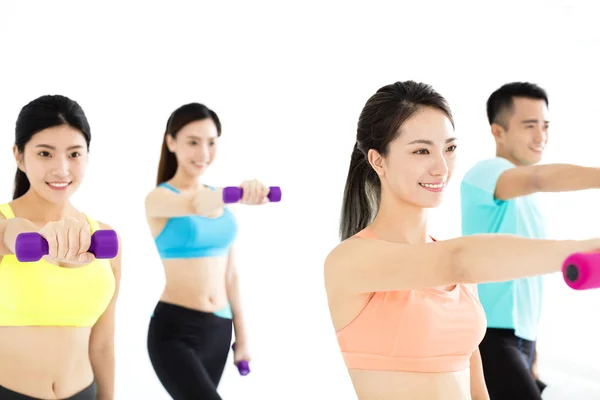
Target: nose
{"x": 540, "y": 135}
{"x": 439, "y": 167}
{"x": 61, "y": 167}
{"x": 203, "y": 153}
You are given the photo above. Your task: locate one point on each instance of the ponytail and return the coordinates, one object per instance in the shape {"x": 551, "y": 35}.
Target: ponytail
{"x": 21, "y": 184}
{"x": 167, "y": 166}
{"x": 361, "y": 195}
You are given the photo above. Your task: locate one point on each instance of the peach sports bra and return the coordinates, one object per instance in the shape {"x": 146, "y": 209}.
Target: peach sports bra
{"x": 422, "y": 330}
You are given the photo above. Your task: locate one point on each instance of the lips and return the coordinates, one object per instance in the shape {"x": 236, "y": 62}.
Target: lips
{"x": 58, "y": 185}
{"x": 435, "y": 186}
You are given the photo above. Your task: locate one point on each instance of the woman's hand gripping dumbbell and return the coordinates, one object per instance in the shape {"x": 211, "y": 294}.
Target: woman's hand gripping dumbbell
{"x": 69, "y": 241}
{"x": 251, "y": 192}
{"x": 242, "y": 365}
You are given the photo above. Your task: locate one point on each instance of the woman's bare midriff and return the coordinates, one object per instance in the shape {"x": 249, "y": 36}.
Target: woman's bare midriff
{"x": 45, "y": 362}
{"x": 389, "y": 385}
{"x": 196, "y": 283}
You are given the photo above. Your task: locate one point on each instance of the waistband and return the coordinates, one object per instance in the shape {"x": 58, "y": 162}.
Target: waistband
{"x": 179, "y": 314}
{"x": 89, "y": 393}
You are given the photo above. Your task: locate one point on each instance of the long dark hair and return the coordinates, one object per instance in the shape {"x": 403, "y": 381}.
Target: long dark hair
{"x": 42, "y": 113}
{"x": 378, "y": 125}
{"x": 167, "y": 166}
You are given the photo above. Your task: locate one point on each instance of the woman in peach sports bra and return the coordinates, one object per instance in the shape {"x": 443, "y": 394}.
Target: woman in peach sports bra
{"x": 405, "y": 307}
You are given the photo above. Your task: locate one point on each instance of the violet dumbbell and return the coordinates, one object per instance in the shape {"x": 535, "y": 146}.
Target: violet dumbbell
{"x": 233, "y": 194}
{"x": 31, "y": 246}
{"x": 581, "y": 271}
{"x": 242, "y": 366}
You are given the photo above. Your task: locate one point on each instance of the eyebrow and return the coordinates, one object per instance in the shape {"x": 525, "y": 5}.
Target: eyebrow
{"x": 533, "y": 121}
{"x": 199, "y": 138}
{"x": 429, "y": 142}
{"x": 47, "y": 146}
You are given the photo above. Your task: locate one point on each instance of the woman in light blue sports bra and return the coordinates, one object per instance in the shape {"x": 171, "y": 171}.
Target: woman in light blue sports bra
{"x": 191, "y": 328}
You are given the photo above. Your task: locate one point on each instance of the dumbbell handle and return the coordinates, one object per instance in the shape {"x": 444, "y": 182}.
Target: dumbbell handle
{"x": 31, "y": 246}
{"x": 581, "y": 271}
{"x": 242, "y": 366}
{"x": 233, "y": 194}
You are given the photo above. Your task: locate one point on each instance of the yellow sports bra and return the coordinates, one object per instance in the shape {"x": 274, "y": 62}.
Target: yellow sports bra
{"x": 42, "y": 294}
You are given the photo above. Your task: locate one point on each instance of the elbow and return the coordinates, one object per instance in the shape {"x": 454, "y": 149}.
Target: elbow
{"x": 458, "y": 264}
{"x": 537, "y": 180}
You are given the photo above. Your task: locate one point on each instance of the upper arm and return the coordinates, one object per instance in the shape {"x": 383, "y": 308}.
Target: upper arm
{"x": 517, "y": 182}
{"x": 490, "y": 182}
{"x": 163, "y": 203}
{"x": 3, "y": 248}
{"x": 231, "y": 261}
{"x": 368, "y": 265}
{"x": 103, "y": 330}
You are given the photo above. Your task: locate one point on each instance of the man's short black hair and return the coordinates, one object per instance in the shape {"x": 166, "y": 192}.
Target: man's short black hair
{"x": 500, "y": 103}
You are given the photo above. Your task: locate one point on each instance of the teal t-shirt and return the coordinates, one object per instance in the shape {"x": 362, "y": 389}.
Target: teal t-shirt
{"x": 514, "y": 304}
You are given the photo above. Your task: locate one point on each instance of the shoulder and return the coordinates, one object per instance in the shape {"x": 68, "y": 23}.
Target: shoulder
{"x": 488, "y": 165}
{"x": 339, "y": 254}
{"x": 485, "y": 173}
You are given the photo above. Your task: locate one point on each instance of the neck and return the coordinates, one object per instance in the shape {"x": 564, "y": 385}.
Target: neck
{"x": 398, "y": 221}
{"x": 502, "y": 154}
{"x": 41, "y": 210}
{"x": 185, "y": 181}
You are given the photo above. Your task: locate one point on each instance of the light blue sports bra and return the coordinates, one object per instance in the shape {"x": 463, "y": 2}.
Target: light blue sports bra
{"x": 194, "y": 236}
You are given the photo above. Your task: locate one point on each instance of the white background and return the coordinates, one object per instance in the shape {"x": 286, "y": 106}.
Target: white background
{"x": 289, "y": 81}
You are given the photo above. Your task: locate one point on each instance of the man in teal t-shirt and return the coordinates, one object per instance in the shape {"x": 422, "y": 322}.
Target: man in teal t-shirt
{"x": 499, "y": 195}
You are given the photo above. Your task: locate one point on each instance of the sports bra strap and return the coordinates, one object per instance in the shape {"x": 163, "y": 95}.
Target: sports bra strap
{"x": 6, "y": 211}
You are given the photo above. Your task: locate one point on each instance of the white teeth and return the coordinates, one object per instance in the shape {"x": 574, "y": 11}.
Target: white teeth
{"x": 432, "y": 186}
{"x": 60, "y": 185}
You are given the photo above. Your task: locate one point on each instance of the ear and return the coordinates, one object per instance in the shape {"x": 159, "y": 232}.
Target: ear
{"x": 498, "y": 131}
{"x": 170, "y": 142}
{"x": 376, "y": 161}
{"x": 19, "y": 158}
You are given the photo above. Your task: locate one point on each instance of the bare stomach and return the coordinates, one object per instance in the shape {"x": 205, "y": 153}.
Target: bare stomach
{"x": 387, "y": 385}
{"x": 196, "y": 283}
{"x": 45, "y": 362}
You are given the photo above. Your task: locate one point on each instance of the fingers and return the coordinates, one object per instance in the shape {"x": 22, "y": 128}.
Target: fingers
{"x": 68, "y": 240}
{"x": 49, "y": 234}
{"x": 254, "y": 192}
{"x": 85, "y": 241}
{"x": 73, "y": 234}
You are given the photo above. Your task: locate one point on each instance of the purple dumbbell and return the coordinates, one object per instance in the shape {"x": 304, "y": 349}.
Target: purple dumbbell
{"x": 581, "y": 271}
{"x": 233, "y": 194}
{"x": 31, "y": 246}
{"x": 243, "y": 366}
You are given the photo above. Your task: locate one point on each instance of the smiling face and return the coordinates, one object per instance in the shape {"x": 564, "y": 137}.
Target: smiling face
{"x": 420, "y": 161}
{"x": 195, "y": 146}
{"x": 523, "y": 135}
{"x": 54, "y": 160}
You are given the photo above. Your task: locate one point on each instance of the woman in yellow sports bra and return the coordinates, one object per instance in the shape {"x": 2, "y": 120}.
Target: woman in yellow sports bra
{"x": 404, "y": 306}
{"x": 56, "y": 314}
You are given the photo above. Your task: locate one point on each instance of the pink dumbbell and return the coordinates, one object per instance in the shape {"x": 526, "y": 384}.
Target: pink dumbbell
{"x": 581, "y": 271}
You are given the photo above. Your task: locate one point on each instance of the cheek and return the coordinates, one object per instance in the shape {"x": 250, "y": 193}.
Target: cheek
{"x": 34, "y": 168}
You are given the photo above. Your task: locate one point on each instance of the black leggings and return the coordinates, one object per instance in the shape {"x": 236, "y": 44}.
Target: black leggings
{"x": 507, "y": 361}
{"x": 89, "y": 393}
{"x": 188, "y": 350}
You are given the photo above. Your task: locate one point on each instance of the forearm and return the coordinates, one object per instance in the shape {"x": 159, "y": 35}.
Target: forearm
{"x": 496, "y": 257}
{"x": 235, "y": 301}
{"x": 565, "y": 178}
{"x": 12, "y": 228}
{"x": 478, "y": 387}
{"x": 103, "y": 365}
